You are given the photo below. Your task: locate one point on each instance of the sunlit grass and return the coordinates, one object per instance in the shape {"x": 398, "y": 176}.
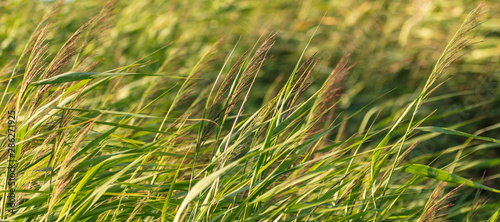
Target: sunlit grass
{"x": 156, "y": 111}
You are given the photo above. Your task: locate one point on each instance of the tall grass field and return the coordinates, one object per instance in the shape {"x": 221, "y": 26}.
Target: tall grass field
{"x": 223, "y": 110}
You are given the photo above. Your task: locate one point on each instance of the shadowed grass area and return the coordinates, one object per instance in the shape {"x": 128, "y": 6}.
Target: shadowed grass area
{"x": 245, "y": 111}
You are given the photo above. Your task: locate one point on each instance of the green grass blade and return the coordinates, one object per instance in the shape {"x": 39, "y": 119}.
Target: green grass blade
{"x": 85, "y": 180}
{"x": 441, "y": 175}
{"x": 494, "y": 217}
{"x": 77, "y": 76}
{"x": 455, "y": 132}
{"x": 199, "y": 187}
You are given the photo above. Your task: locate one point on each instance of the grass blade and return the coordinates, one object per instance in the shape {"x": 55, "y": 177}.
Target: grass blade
{"x": 441, "y": 175}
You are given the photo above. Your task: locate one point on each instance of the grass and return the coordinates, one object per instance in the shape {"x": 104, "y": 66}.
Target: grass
{"x": 314, "y": 111}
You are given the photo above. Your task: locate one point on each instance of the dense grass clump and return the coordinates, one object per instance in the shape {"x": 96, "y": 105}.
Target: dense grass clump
{"x": 243, "y": 111}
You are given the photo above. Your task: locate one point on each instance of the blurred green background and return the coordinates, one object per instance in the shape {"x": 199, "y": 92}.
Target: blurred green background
{"x": 393, "y": 44}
